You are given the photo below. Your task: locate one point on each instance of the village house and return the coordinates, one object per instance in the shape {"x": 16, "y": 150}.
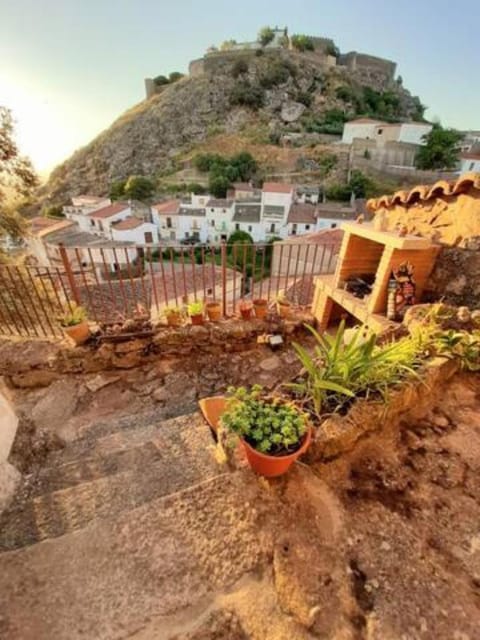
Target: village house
{"x": 82, "y": 206}
{"x": 470, "y": 161}
{"x": 135, "y": 230}
{"x": 383, "y": 132}
{"x": 192, "y": 224}
{"x": 277, "y": 198}
{"x": 101, "y": 220}
{"x": 219, "y": 213}
{"x": 247, "y": 217}
{"x": 305, "y": 194}
{"x": 301, "y": 219}
{"x": 330, "y": 215}
{"x": 165, "y": 217}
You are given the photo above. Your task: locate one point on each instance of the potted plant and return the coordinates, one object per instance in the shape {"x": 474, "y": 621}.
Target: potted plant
{"x": 75, "y": 324}
{"x": 260, "y": 306}
{"x": 195, "y": 311}
{"x": 214, "y": 311}
{"x": 245, "y": 309}
{"x": 273, "y": 432}
{"x": 173, "y": 316}
{"x": 284, "y": 307}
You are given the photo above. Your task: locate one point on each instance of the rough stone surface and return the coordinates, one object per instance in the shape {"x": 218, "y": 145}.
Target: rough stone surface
{"x": 56, "y": 405}
{"x": 292, "y": 111}
{"x": 9, "y": 481}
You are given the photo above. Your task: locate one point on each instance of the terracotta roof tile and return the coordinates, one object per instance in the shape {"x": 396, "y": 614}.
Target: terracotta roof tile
{"x": 169, "y": 207}
{"x": 277, "y": 187}
{"x": 111, "y": 210}
{"x": 128, "y": 223}
{"x": 302, "y": 213}
{"x": 426, "y": 192}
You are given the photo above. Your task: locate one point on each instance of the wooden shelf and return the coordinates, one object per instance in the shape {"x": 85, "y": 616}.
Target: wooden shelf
{"x": 386, "y": 238}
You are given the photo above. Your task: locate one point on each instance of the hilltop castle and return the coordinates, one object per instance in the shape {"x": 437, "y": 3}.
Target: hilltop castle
{"x": 321, "y": 50}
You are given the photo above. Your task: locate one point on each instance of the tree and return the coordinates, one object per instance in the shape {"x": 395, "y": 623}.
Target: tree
{"x": 139, "y": 188}
{"x": 265, "y": 36}
{"x": 247, "y": 95}
{"x": 117, "y": 190}
{"x": 175, "y": 76}
{"x": 17, "y": 177}
{"x": 218, "y": 185}
{"x": 246, "y": 165}
{"x": 441, "y": 149}
{"x": 53, "y": 211}
{"x": 160, "y": 80}
{"x": 195, "y": 187}
{"x": 302, "y": 42}
{"x": 227, "y": 45}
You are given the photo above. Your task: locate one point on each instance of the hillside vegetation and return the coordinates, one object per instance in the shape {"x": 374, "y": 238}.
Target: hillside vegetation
{"x": 258, "y": 99}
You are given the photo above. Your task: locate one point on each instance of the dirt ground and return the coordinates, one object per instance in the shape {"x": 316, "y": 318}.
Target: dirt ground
{"x": 382, "y": 543}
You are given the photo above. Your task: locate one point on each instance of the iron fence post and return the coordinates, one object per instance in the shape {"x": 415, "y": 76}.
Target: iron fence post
{"x": 223, "y": 253}
{"x": 69, "y": 273}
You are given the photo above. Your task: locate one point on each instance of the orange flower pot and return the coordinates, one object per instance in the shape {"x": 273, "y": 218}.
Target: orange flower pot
{"x": 214, "y": 311}
{"x": 212, "y": 409}
{"x": 197, "y": 319}
{"x": 174, "y": 319}
{"x": 273, "y": 466}
{"x": 284, "y": 309}
{"x": 261, "y": 307}
{"x": 79, "y": 333}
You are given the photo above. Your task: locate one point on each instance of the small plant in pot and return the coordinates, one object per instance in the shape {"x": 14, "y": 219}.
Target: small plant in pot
{"x": 273, "y": 432}
{"x": 245, "y": 308}
{"x": 173, "y": 316}
{"x": 195, "y": 311}
{"x": 75, "y": 324}
{"x": 214, "y": 311}
{"x": 284, "y": 307}
{"x": 261, "y": 307}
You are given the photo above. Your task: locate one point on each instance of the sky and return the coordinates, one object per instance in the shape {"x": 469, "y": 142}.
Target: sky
{"x": 68, "y": 68}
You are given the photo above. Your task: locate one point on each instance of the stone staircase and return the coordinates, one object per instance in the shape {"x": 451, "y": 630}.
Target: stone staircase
{"x": 116, "y": 467}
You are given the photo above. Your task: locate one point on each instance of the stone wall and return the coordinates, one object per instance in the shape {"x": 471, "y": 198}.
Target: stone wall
{"x": 362, "y": 61}
{"x": 456, "y": 277}
{"x": 40, "y": 364}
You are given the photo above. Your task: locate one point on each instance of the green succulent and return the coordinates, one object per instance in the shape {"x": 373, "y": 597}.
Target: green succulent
{"x": 195, "y": 308}
{"x": 270, "y": 425}
{"x": 76, "y": 315}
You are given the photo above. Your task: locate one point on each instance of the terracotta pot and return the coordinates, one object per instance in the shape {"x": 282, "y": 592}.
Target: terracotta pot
{"x": 214, "y": 311}
{"x": 246, "y": 312}
{"x": 197, "y": 319}
{"x": 174, "y": 319}
{"x": 212, "y": 409}
{"x": 261, "y": 308}
{"x": 79, "y": 333}
{"x": 272, "y": 466}
{"x": 284, "y": 309}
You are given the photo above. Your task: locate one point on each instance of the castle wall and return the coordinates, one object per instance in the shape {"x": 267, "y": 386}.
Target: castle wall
{"x": 362, "y": 61}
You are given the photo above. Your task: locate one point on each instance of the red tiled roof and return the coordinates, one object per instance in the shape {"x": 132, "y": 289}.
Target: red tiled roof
{"x": 277, "y": 187}
{"x": 302, "y": 213}
{"x": 242, "y": 186}
{"x": 111, "y": 210}
{"x": 128, "y": 223}
{"x": 170, "y": 206}
{"x": 325, "y": 236}
{"x": 470, "y": 156}
{"x": 365, "y": 121}
{"x": 42, "y": 226}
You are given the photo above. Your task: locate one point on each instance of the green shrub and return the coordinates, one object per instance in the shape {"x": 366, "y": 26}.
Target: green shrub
{"x": 265, "y": 36}
{"x": 269, "y": 425}
{"x": 175, "y": 76}
{"x": 302, "y": 42}
{"x": 75, "y": 316}
{"x": 339, "y": 368}
{"x": 275, "y": 73}
{"x": 247, "y": 95}
{"x": 304, "y": 97}
{"x": 240, "y": 67}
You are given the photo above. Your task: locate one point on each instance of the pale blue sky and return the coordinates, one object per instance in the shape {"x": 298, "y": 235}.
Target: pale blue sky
{"x": 70, "y": 67}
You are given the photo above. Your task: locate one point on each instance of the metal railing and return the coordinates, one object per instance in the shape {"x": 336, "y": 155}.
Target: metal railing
{"x": 116, "y": 283}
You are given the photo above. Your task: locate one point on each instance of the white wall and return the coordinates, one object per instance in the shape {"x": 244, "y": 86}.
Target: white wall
{"x": 102, "y": 226}
{"x": 136, "y": 235}
{"x": 300, "y": 227}
{"x": 328, "y": 223}
{"x": 255, "y": 229}
{"x": 189, "y": 225}
{"x": 413, "y": 133}
{"x": 360, "y": 130}
{"x": 469, "y": 164}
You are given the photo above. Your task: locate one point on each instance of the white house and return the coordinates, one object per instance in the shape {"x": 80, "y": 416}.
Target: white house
{"x": 470, "y": 162}
{"x": 413, "y": 132}
{"x": 305, "y": 194}
{"x": 165, "y": 217}
{"x": 101, "y": 220}
{"x": 219, "y": 218}
{"x": 82, "y": 206}
{"x": 330, "y": 215}
{"x": 277, "y": 198}
{"x": 365, "y": 128}
{"x": 135, "y": 230}
{"x": 192, "y": 224}
{"x": 247, "y": 217}
{"x": 301, "y": 219}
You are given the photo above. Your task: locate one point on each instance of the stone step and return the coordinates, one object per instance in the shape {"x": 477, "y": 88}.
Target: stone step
{"x": 69, "y": 496}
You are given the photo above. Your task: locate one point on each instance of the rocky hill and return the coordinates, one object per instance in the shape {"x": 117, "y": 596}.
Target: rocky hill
{"x": 261, "y": 98}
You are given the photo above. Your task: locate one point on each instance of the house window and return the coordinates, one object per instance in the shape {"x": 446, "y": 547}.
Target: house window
{"x": 307, "y": 227}
{"x": 294, "y": 229}
{"x": 237, "y": 227}
{"x": 272, "y": 228}
{"x": 212, "y": 223}
{"x": 224, "y": 211}
{"x": 92, "y": 223}
{"x": 333, "y": 225}
{"x": 250, "y": 228}
{"x": 148, "y": 237}
{"x": 169, "y": 223}
{"x": 380, "y": 131}
{"x": 100, "y": 225}
{"x": 472, "y": 164}
{"x": 212, "y": 210}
